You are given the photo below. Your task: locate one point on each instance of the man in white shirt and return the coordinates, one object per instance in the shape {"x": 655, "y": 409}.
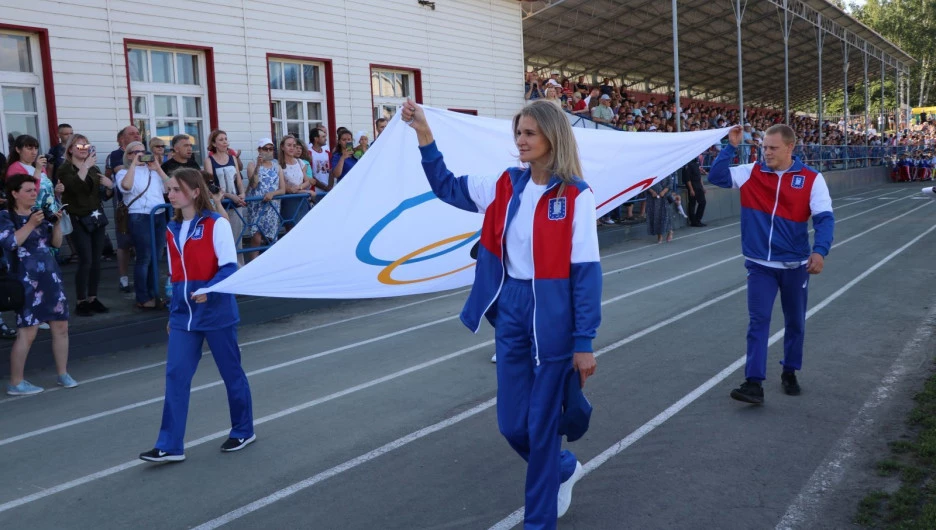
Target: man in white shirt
{"x": 321, "y": 163}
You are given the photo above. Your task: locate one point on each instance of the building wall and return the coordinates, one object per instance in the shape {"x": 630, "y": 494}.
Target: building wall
{"x": 469, "y": 54}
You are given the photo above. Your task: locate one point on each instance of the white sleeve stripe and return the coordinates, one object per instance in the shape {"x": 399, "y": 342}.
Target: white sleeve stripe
{"x": 819, "y": 198}
{"x": 584, "y": 229}
{"x": 741, "y": 174}
{"x": 223, "y": 240}
{"x": 482, "y": 190}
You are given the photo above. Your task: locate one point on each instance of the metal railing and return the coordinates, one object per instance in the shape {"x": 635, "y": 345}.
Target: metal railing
{"x": 249, "y": 225}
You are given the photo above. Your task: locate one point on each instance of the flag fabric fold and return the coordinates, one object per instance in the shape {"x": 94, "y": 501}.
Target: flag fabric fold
{"x": 381, "y": 232}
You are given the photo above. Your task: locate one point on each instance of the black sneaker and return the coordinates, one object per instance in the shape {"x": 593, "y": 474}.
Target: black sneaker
{"x": 790, "y": 384}
{"x": 749, "y": 392}
{"x": 84, "y": 309}
{"x": 6, "y": 332}
{"x": 125, "y": 288}
{"x": 158, "y": 455}
{"x": 98, "y": 307}
{"x": 236, "y": 444}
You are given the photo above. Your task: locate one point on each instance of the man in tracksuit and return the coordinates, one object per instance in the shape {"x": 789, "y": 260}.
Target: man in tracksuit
{"x": 778, "y": 196}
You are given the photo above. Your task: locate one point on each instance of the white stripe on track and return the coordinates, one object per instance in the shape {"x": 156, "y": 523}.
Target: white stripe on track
{"x": 517, "y": 517}
{"x": 804, "y": 510}
{"x": 410, "y": 304}
{"x": 513, "y": 519}
{"x": 218, "y": 382}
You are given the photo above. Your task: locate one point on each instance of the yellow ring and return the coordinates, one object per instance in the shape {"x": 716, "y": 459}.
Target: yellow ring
{"x": 385, "y": 275}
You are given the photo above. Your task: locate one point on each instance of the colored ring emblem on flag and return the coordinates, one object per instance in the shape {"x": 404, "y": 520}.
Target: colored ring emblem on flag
{"x": 364, "y": 254}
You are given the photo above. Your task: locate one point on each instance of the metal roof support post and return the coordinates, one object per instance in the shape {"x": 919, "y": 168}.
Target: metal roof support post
{"x": 787, "y": 25}
{"x": 845, "y": 109}
{"x": 867, "y": 87}
{"x": 678, "y": 112}
{"x": 909, "y": 111}
{"x": 820, "y": 40}
{"x": 739, "y": 14}
{"x": 897, "y": 110}
{"x": 882, "y": 125}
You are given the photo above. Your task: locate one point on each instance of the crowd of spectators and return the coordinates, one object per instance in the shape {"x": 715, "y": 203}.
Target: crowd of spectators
{"x": 828, "y": 144}
{"x": 50, "y": 200}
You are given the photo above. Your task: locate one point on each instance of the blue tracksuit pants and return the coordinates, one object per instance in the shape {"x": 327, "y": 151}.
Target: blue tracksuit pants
{"x": 185, "y": 350}
{"x": 763, "y": 285}
{"x": 529, "y": 404}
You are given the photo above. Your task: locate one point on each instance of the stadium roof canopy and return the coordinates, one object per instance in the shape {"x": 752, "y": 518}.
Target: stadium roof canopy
{"x": 632, "y": 41}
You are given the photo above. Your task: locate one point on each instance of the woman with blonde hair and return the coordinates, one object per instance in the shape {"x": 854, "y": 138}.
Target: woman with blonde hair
{"x": 83, "y": 180}
{"x": 538, "y": 281}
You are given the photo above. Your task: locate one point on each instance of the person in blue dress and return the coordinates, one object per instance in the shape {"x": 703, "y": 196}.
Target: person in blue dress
{"x": 28, "y": 239}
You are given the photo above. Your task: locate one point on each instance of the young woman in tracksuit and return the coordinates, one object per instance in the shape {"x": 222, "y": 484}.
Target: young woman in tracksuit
{"x": 538, "y": 281}
{"x": 201, "y": 254}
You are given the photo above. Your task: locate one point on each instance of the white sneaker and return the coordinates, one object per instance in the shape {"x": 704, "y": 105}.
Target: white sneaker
{"x": 494, "y": 358}
{"x": 44, "y": 325}
{"x": 565, "y": 489}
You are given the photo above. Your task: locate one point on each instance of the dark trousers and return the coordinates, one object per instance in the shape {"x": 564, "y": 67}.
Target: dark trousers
{"x": 696, "y": 205}
{"x": 88, "y": 246}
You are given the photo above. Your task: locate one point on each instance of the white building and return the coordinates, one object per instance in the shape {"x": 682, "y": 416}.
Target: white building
{"x": 253, "y": 68}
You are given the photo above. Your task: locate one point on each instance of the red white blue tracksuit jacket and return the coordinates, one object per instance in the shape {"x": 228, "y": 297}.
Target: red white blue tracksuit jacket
{"x": 193, "y": 266}
{"x": 567, "y": 272}
{"x": 775, "y": 211}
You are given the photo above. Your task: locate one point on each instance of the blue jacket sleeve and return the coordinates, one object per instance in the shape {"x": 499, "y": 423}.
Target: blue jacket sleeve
{"x": 446, "y": 186}
{"x": 223, "y": 272}
{"x": 720, "y": 174}
{"x": 585, "y": 273}
{"x": 824, "y": 225}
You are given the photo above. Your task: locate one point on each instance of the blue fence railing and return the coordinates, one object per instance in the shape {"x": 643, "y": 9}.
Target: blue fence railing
{"x": 249, "y": 224}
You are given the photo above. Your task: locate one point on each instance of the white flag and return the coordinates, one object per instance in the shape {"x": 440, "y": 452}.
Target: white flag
{"x": 381, "y": 232}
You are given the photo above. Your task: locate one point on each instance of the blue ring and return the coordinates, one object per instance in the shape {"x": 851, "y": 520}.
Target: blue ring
{"x": 363, "y": 250}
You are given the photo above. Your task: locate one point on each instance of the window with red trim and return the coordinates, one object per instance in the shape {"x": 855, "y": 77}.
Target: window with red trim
{"x": 22, "y": 98}
{"x": 170, "y": 92}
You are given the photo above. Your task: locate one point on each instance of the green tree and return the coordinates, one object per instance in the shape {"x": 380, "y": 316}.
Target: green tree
{"x": 911, "y": 25}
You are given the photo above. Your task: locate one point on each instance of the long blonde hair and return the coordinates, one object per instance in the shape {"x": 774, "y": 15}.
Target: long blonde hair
{"x": 554, "y": 125}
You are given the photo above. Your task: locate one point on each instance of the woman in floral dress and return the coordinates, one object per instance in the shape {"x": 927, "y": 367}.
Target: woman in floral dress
{"x": 28, "y": 237}
{"x": 266, "y": 181}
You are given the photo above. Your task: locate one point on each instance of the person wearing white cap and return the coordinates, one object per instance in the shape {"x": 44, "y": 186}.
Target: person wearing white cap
{"x": 267, "y": 181}
{"x": 602, "y": 113}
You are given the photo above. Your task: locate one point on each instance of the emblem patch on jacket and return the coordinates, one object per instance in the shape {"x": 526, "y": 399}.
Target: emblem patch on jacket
{"x": 557, "y": 208}
{"x": 199, "y": 232}
{"x": 798, "y": 181}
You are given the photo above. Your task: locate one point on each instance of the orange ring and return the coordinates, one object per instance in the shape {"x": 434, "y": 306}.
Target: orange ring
{"x": 384, "y": 276}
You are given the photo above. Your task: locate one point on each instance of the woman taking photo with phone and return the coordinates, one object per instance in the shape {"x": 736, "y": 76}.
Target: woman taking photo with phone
{"x": 82, "y": 180}
{"x": 26, "y": 160}
{"x": 201, "y": 254}
{"x": 267, "y": 182}
{"x": 28, "y": 236}
{"x": 343, "y": 159}
{"x": 142, "y": 183}
{"x": 538, "y": 281}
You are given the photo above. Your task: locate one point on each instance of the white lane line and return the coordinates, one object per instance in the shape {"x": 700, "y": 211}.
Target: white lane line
{"x": 517, "y": 517}
{"x": 259, "y": 341}
{"x": 412, "y": 437}
{"x": 220, "y": 434}
{"x": 396, "y": 308}
{"x": 693, "y": 234}
{"x": 808, "y": 504}
{"x": 400, "y": 442}
{"x": 143, "y": 403}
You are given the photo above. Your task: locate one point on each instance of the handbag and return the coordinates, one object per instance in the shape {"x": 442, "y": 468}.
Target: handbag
{"x": 12, "y": 292}
{"x": 67, "y": 226}
{"x": 92, "y": 222}
{"x": 122, "y": 211}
